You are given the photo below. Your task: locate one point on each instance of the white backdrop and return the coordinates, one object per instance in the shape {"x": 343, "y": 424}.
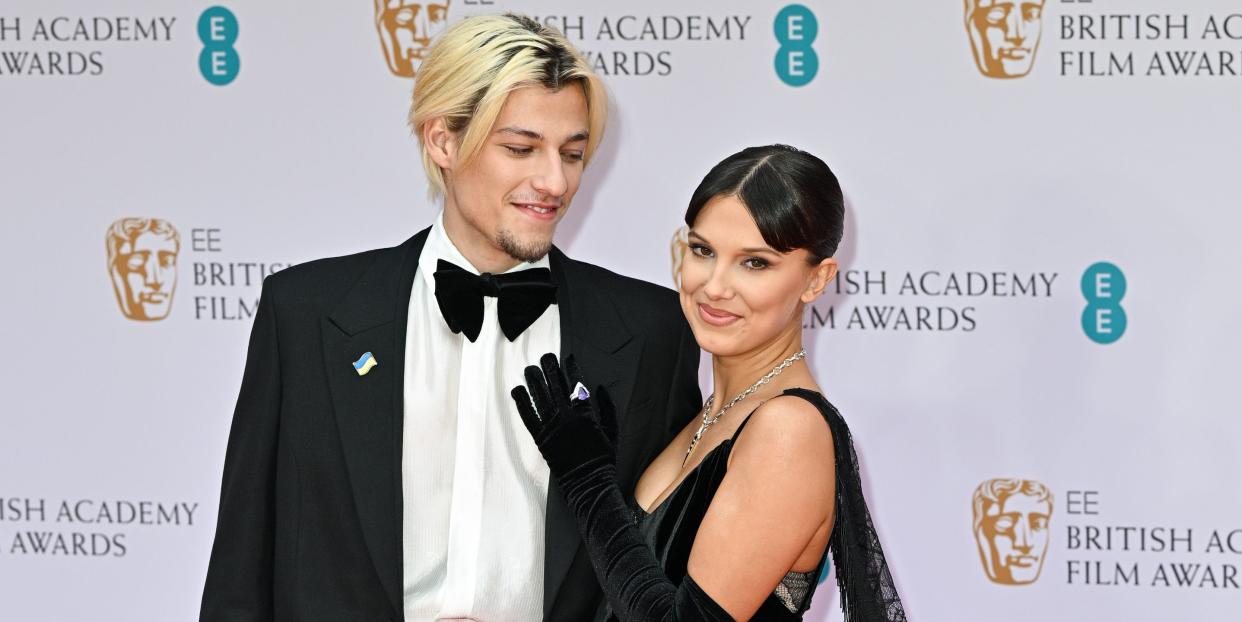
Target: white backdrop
{"x": 114, "y": 429}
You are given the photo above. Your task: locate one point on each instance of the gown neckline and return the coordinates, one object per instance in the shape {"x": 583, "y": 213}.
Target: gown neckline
{"x": 690, "y": 474}
{"x": 685, "y": 478}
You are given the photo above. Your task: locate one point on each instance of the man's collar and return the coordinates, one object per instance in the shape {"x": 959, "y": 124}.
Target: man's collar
{"x": 439, "y": 246}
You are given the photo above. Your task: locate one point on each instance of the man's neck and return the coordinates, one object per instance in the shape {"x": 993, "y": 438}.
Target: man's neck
{"x": 482, "y": 254}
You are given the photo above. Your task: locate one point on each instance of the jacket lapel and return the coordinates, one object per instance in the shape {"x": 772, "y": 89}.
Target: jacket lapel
{"x": 368, "y": 408}
{"x": 594, "y": 333}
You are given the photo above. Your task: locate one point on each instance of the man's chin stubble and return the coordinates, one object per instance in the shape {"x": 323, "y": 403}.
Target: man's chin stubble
{"x": 528, "y": 252}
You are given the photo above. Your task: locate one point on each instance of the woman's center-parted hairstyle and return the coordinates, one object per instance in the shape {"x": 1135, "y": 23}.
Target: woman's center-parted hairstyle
{"x": 794, "y": 198}
{"x": 472, "y": 68}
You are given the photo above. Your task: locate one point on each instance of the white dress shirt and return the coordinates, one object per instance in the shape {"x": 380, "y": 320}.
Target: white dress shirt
{"x": 474, "y": 485}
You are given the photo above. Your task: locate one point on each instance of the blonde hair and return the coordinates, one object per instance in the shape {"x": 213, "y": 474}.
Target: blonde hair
{"x": 472, "y": 68}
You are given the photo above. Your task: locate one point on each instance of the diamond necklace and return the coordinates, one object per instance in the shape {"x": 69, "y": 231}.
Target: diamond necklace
{"x": 707, "y": 408}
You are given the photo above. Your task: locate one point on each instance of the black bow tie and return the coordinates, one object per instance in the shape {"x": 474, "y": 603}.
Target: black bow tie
{"x": 521, "y": 298}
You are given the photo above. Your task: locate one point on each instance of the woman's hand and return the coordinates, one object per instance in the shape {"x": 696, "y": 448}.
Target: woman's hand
{"x": 571, "y": 430}
{"x": 576, "y": 433}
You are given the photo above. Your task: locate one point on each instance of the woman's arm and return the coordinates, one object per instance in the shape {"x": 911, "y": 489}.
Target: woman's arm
{"x": 775, "y": 500}
{"x": 758, "y": 525}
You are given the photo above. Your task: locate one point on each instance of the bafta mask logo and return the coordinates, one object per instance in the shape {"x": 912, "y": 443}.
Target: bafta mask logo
{"x": 1004, "y": 35}
{"x": 142, "y": 261}
{"x": 1011, "y": 529}
{"x": 406, "y": 30}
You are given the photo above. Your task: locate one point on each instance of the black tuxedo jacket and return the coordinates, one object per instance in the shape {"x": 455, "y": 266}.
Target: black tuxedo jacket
{"x": 310, "y": 506}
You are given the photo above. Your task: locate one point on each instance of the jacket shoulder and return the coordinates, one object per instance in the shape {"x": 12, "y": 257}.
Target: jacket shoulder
{"x": 626, "y": 286}
{"x": 647, "y": 307}
{"x": 321, "y": 282}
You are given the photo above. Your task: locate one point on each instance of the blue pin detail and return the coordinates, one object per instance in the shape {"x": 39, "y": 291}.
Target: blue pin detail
{"x": 365, "y": 363}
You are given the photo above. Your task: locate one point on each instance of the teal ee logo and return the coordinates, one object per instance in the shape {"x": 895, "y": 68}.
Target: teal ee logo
{"x": 1104, "y": 285}
{"x": 796, "y": 29}
{"x": 218, "y": 62}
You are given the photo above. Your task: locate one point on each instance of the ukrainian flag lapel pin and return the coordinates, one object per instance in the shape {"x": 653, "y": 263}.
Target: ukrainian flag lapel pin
{"x": 365, "y": 363}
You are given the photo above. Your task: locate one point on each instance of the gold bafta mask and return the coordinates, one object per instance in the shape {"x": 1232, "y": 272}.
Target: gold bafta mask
{"x": 1011, "y": 528}
{"x": 1004, "y": 35}
{"x": 677, "y": 248}
{"x": 406, "y": 30}
{"x": 142, "y": 261}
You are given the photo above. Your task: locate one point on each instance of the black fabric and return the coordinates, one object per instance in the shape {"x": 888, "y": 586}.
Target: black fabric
{"x": 574, "y": 437}
{"x": 309, "y": 526}
{"x": 643, "y": 566}
{"x": 867, "y": 589}
{"x": 866, "y": 585}
{"x": 582, "y": 436}
{"x": 522, "y": 297}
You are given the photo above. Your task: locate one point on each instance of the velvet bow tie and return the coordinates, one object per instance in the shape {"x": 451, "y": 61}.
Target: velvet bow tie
{"x": 521, "y": 298}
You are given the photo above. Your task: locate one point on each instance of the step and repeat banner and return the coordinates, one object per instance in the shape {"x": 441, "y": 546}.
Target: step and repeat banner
{"x": 1033, "y": 336}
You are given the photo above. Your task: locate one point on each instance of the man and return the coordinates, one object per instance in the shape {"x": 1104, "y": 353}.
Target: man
{"x": 377, "y": 468}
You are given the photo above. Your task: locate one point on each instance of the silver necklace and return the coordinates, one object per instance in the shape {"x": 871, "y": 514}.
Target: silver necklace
{"x": 707, "y": 408}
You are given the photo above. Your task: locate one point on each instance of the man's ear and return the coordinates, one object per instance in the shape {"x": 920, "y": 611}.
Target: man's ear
{"x": 440, "y": 143}
{"x": 821, "y": 275}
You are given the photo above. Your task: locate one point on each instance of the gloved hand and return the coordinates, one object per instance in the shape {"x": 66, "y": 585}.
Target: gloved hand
{"x": 570, "y": 431}
{"x": 578, "y": 439}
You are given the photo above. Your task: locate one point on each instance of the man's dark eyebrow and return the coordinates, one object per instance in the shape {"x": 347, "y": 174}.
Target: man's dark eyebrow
{"x": 533, "y": 135}
{"x": 520, "y": 131}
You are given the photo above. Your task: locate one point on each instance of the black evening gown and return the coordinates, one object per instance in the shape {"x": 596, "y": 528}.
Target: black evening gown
{"x": 867, "y": 591}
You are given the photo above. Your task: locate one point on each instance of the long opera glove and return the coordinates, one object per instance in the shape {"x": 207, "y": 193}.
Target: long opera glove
{"x": 577, "y": 438}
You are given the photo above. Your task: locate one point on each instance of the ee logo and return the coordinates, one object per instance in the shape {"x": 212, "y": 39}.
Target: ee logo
{"x": 1104, "y": 285}
{"x": 218, "y": 62}
{"x": 796, "y": 29}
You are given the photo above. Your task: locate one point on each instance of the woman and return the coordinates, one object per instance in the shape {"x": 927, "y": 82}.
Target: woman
{"x": 724, "y": 524}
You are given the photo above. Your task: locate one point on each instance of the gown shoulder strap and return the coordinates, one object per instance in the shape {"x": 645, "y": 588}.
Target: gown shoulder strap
{"x": 821, "y": 403}
{"x": 738, "y": 431}
{"x": 815, "y": 398}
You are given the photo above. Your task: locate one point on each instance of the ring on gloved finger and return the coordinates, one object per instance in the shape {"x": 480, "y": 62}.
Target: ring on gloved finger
{"x": 579, "y": 394}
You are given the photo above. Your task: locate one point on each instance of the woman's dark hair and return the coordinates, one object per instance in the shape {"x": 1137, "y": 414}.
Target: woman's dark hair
{"x": 792, "y": 195}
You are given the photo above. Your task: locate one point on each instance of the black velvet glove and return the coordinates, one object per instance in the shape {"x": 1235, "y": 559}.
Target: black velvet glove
{"x": 578, "y": 439}
{"x": 571, "y": 434}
